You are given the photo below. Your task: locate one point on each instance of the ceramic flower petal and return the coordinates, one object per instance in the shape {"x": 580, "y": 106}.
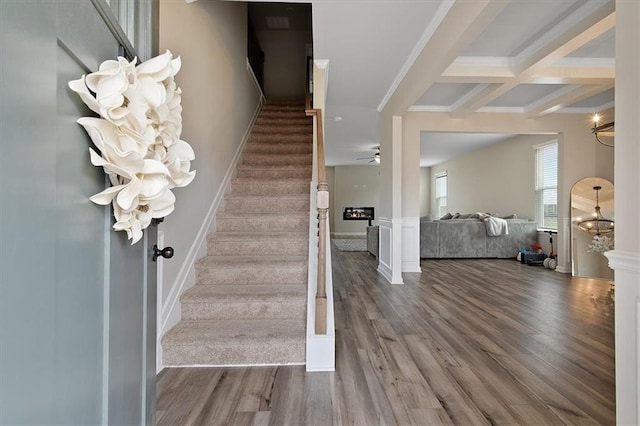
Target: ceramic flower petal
{"x": 158, "y": 68}
{"x": 181, "y": 150}
{"x": 99, "y": 130}
{"x": 153, "y": 186}
{"x": 80, "y": 87}
{"x": 127, "y": 198}
{"x": 106, "y": 197}
{"x": 161, "y": 206}
{"x": 154, "y": 94}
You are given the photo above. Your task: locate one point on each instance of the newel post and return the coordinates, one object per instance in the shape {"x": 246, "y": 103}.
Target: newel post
{"x": 321, "y": 292}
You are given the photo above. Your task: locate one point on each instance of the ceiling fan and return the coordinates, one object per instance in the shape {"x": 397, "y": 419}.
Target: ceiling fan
{"x": 375, "y": 158}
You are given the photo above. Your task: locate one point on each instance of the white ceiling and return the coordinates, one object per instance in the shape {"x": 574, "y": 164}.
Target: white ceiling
{"x": 530, "y": 57}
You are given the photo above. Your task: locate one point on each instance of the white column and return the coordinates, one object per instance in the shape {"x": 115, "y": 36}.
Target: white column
{"x": 390, "y": 241}
{"x": 410, "y": 201}
{"x": 625, "y": 259}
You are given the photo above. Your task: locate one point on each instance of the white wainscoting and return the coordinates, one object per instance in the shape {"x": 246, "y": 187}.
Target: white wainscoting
{"x": 411, "y": 244}
{"x": 390, "y": 249}
{"x": 627, "y": 311}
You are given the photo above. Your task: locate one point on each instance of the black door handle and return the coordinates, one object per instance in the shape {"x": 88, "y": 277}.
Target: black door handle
{"x": 166, "y": 252}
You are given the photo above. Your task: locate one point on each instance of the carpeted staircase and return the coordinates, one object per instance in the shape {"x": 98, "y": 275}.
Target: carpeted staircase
{"x": 248, "y": 306}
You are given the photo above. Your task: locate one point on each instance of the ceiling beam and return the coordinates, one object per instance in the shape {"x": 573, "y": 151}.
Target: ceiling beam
{"x": 588, "y": 71}
{"x": 563, "y": 98}
{"x": 577, "y": 30}
{"x": 464, "y": 21}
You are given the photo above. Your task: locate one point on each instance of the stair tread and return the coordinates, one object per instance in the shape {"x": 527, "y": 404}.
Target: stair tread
{"x": 274, "y": 166}
{"x": 257, "y": 236}
{"x": 195, "y": 332}
{"x": 265, "y": 261}
{"x": 245, "y": 215}
{"x": 271, "y": 181}
{"x": 277, "y": 196}
{"x": 225, "y": 293}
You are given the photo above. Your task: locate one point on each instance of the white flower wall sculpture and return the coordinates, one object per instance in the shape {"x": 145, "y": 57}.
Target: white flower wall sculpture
{"x": 138, "y": 136}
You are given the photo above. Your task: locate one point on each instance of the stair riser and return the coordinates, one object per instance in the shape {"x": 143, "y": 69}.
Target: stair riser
{"x": 228, "y": 353}
{"x": 254, "y": 248}
{"x": 279, "y": 148}
{"x": 281, "y": 129}
{"x": 266, "y": 189}
{"x": 296, "y": 121}
{"x": 290, "y": 309}
{"x": 276, "y": 160}
{"x": 283, "y": 113}
{"x": 262, "y": 224}
{"x": 303, "y": 172}
{"x": 269, "y": 138}
{"x": 271, "y": 205}
{"x": 238, "y": 276}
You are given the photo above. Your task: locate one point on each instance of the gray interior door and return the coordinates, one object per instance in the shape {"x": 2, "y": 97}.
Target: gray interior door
{"x": 77, "y": 301}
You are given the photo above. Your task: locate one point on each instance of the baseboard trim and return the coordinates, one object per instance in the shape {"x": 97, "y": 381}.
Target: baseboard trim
{"x": 348, "y": 234}
{"x": 199, "y": 244}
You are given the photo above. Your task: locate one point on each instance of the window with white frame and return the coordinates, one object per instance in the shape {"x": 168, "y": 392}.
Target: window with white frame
{"x": 546, "y": 185}
{"x": 441, "y": 193}
{"x": 134, "y": 18}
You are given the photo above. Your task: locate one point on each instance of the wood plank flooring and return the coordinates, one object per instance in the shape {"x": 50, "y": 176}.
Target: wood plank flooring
{"x": 466, "y": 342}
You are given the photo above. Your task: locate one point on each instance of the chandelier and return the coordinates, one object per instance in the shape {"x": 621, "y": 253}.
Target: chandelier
{"x": 597, "y": 224}
{"x": 606, "y": 130}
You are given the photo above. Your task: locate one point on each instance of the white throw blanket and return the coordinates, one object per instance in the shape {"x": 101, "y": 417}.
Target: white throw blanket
{"x": 495, "y": 225}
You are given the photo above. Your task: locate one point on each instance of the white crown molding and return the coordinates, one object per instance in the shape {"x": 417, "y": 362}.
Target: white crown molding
{"x": 439, "y": 16}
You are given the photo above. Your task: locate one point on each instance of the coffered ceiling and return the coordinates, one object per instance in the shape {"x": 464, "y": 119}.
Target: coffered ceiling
{"x": 527, "y": 57}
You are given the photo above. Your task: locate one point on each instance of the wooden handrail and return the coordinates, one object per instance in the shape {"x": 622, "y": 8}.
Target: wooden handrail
{"x": 323, "y": 209}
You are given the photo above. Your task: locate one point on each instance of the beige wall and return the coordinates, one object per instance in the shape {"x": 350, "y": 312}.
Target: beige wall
{"x": 285, "y": 63}
{"x": 425, "y": 191}
{"x": 579, "y": 155}
{"x": 331, "y": 181}
{"x": 354, "y": 186}
{"x": 497, "y": 179}
{"x": 219, "y": 101}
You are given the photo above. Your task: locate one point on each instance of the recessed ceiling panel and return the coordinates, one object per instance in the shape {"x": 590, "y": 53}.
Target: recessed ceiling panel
{"x": 445, "y": 94}
{"x": 602, "y": 100}
{"x": 519, "y": 23}
{"x": 525, "y": 94}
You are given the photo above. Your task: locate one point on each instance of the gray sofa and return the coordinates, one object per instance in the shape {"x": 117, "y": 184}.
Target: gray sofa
{"x": 467, "y": 238}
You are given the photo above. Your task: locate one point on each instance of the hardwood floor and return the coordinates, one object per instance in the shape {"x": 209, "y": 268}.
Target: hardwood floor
{"x": 465, "y": 342}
